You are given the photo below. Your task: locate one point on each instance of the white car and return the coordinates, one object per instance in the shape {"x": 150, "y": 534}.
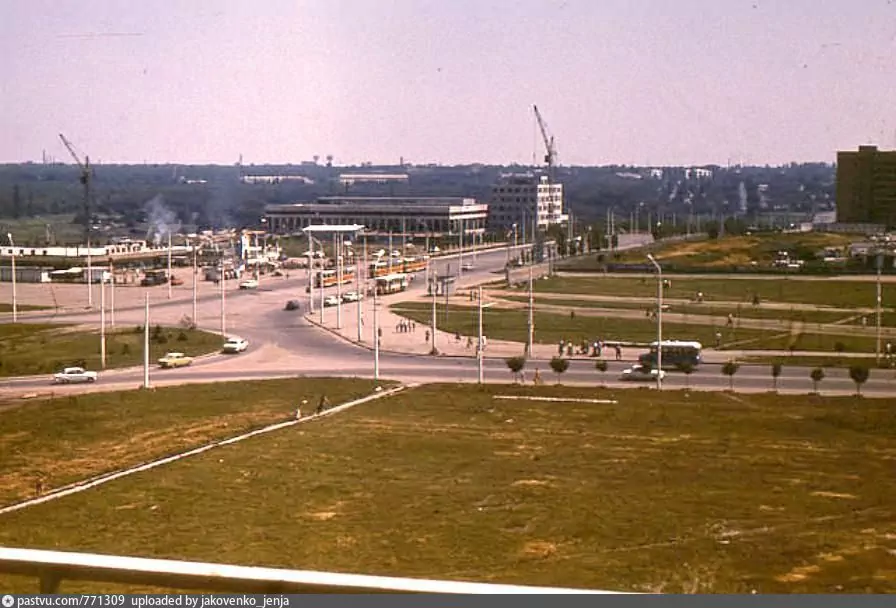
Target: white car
{"x": 249, "y": 284}
{"x": 352, "y": 296}
{"x": 467, "y": 266}
{"x": 70, "y": 375}
{"x": 331, "y": 301}
{"x": 235, "y": 345}
{"x": 640, "y": 373}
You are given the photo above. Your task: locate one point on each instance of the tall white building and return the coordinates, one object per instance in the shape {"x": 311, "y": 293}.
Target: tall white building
{"x": 525, "y": 199}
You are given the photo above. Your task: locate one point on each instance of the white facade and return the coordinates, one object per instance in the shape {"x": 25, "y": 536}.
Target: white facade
{"x": 524, "y": 199}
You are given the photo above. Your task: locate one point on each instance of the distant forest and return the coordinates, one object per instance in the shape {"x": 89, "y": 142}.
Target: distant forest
{"x": 214, "y": 196}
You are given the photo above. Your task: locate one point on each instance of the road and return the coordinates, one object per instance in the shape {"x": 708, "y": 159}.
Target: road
{"x": 283, "y": 343}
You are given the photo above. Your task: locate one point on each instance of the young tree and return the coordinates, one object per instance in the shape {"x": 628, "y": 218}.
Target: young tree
{"x": 687, "y": 369}
{"x": 516, "y": 365}
{"x": 776, "y": 372}
{"x": 817, "y": 376}
{"x": 559, "y": 365}
{"x": 859, "y": 375}
{"x": 601, "y": 366}
{"x": 729, "y": 369}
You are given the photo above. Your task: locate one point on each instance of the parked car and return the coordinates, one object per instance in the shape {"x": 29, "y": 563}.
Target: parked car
{"x": 351, "y": 296}
{"x": 331, "y": 301}
{"x": 70, "y": 375}
{"x": 176, "y": 281}
{"x": 641, "y": 373}
{"x": 292, "y": 305}
{"x": 249, "y": 284}
{"x": 467, "y": 266}
{"x": 171, "y": 360}
{"x": 235, "y": 344}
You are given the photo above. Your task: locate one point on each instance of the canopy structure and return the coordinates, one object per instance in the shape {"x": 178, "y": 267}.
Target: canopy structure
{"x": 333, "y": 228}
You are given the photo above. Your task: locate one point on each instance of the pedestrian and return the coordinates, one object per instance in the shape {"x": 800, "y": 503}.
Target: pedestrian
{"x": 718, "y": 339}
{"x": 560, "y": 347}
{"x": 39, "y": 486}
{"x": 379, "y": 332}
{"x": 618, "y": 353}
{"x": 427, "y": 335}
{"x": 322, "y": 405}
{"x": 457, "y": 336}
{"x": 413, "y": 327}
{"x": 536, "y": 378}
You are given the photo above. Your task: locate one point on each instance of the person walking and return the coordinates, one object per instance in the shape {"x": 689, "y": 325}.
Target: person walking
{"x": 322, "y": 405}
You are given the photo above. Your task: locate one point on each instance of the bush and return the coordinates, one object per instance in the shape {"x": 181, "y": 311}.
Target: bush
{"x": 161, "y": 339}
{"x": 125, "y": 349}
{"x": 859, "y": 375}
{"x": 601, "y": 365}
{"x": 182, "y": 337}
{"x": 559, "y": 365}
{"x": 817, "y": 376}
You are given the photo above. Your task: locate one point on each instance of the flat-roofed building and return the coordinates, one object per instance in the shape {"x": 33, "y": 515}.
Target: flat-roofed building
{"x": 433, "y": 216}
{"x": 866, "y": 187}
{"x": 525, "y": 199}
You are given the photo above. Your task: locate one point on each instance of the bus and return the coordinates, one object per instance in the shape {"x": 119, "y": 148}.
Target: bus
{"x": 330, "y": 278}
{"x": 676, "y": 353}
{"x": 391, "y": 283}
{"x": 381, "y": 269}
{"x": 414, "y": 264}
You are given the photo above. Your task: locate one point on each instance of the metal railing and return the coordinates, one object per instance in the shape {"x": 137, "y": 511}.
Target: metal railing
{"x": 52, "y": 567}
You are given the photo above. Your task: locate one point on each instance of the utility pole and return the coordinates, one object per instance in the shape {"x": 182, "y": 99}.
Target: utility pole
{"x": 479, "y": 345}
{"x": 111, "y": 292}
{"x": 376, "y": 335}
{"x": 362, "y": 289}
{"x": 223, "y": 298}
{"x": 460, "y": 256}
{"x": 880, "y": 261}
{"x": 146, "y": 343}
{"x": 320, "y": 276}
{"x": 390, "y": 252}
{"x": 195, "y": 285}
{"x": 659, "y": 321}
{"x": 169, "y": 263}
{"x": 337, "y": 253}
{"x": 530, "y": 344}
{"x": 103, "y": 322}
{"x": 433, "y": 328}
{"x": 15, "y": 301}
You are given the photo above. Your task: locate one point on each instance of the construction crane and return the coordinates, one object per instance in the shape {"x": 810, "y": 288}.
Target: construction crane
{"x": 550, "y": 156}
{"x": 85, "y": 180}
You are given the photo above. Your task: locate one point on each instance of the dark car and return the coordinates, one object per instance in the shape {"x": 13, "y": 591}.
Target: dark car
{"x": 292, "y": 305}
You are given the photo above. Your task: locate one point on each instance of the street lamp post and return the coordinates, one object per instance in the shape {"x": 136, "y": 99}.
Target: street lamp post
{"x": 15, "y": 301}
{"x": 479, "y": 348}
{"x": 111, "y": 293}
{"x": 146, "y": 343}
{"x": 879, "y": 266}
{"x": 530, "y": 344}
{"x": 362, "y": 288}
{"x": 223, "y": 298}
{"x": 376, "y": 335}
{"x": 659, "y": 321}
{"x": 337, "y": 253}
{"x": 433, "y": 290}
{"x": 103, "y": 321}
{"x": 195, "y": 285}
{"x": 169, "y": 264}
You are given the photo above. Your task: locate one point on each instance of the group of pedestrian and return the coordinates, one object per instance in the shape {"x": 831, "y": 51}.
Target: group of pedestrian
{"x": 322, "y": 406}
{"x": 405, "y": 327}
{"x": 593, "y": 349}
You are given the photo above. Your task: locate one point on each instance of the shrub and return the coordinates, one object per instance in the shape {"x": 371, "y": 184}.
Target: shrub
{"x": 125, "y": 349}
{"x": 776, "y": 372}
{"x": 729, "y": 369}
{"x": 182, "y": 337}
{"x": 817, "y": 376}
{"x": 515, "y": 365}
{"x": 859, "y": 375}
{"x": 559, "y": 365}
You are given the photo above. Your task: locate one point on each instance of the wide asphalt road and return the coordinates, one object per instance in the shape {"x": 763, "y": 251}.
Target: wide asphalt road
{"x": 311, "y": 351}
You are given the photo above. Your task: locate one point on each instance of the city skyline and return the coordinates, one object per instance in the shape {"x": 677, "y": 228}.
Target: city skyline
{"x": 647, "y": 83}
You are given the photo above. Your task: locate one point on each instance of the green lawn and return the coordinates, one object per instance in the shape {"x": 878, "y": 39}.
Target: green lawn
{"x": 668, "y": 492}
{"x": 840, "y": 294}
{"x": 72, "y": 438}
{"x": 7, "y": 307}
{"x": 746, "y": 311}
{"x": 35, "y": 348}
{"x": 550, "y": 328}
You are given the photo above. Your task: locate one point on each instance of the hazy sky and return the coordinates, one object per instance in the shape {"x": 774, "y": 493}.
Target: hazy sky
{"x": 618, "y": 81}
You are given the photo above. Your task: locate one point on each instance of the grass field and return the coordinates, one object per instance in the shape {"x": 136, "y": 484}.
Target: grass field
{"x": 716, "y": 493}
{"x": 70, "y": 438}
{"x": 839, "y": 294}
{"x": 734, "y": 250}
{"x": 32, "y": 348}
{"x": 511, "y": 324}
{"x": 7, "y": 307}
{"x": 746, "y": 311}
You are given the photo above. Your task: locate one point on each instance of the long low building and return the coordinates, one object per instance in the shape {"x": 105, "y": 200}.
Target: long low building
{"x": 434, "y": 216}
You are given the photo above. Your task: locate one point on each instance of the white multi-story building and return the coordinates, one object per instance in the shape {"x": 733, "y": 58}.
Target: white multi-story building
{"x": 525, "y": 199}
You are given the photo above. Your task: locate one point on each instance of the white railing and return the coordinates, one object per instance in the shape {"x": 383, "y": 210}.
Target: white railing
{"x": 52, "y": 567}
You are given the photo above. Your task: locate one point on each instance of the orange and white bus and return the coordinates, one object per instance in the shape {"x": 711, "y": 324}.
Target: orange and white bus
{"x": 330, "y": 278}
{"x": 415, "y": 264}
{"x": 381, "y": 269}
